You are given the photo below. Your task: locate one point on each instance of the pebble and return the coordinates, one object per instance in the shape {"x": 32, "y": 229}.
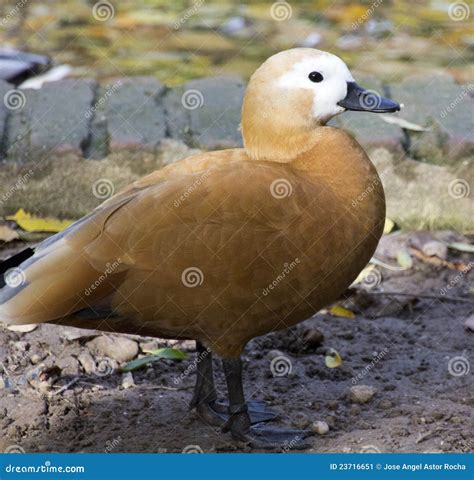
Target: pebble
{"x": 301, "y": 421}
{"x": 362, "y": 393}
{"x": 385, "y": 404}
{"x": 354, "y": 410}
{"x": 469, "y": 323}
{"x": 313, "y": 338}
{"x": 320, "y": 427}
{"x": 2, "y": 383}
{"x": 21, "y": 346}
{"x": 87, "y": 362}
{"x": 127, "y": 380}
{"x": 121, "y": 349}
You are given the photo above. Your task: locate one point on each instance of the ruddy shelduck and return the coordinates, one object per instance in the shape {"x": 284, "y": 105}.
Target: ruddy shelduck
{"x": 227, "y": 245}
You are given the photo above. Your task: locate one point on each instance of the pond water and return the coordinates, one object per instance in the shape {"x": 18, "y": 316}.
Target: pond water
{"x": 179, "y": 40}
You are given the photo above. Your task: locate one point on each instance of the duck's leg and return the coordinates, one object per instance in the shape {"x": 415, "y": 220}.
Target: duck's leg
{"x": 239, "y": 423}
{"x": 205, "y": 397}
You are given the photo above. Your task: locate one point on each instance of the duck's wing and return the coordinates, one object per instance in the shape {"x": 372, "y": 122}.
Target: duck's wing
{"x": 138, "y": 229}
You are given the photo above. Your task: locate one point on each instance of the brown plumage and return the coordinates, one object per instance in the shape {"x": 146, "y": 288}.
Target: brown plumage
{"x": 228, "y": 245}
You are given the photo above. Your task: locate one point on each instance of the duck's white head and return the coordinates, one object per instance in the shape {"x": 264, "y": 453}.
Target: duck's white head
{"x": 296, "y": 91}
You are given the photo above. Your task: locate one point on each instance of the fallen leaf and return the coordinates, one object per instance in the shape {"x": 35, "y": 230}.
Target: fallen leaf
{"x": 31, "y": 223}
{"x": 23, "y": 328}
{"x": 439, "y": 262}
{"x": 402, "y": 123}
{"x": 404, "y": 258}
{"x": 168, "y": 353}
{"x": 339, "y": 311}
{"x": 7, "y": 234}
{"x": 462, "y": 247}
{"x": 388, "y": 226}
{"x": 332, "y": 359}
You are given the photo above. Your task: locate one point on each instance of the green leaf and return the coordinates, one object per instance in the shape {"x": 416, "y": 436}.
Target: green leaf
{"x": 168, "y": 353}
{"x": 404, "y": 259}
{"x": 462, "y": 247}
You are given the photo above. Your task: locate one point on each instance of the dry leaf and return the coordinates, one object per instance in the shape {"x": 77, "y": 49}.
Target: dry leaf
{"x": 402, "y": 123}
{"x": 404, "y": 258}
{"x": 439, "y": 262}
{"x": 7, "y": 234}
{"x": 332, "y": 359}
{"x": 388, "y": 226}
{"x": 339, "y": 311}
{"x": 462, "y": 247}
{"x": 23, "y": 328}
{"x": 30, "y": 223}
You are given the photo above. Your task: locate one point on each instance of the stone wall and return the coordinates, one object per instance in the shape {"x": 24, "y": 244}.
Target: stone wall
{"x": 59, "y": 144}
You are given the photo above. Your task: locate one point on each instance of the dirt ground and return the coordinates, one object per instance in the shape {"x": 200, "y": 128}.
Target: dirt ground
{"x": 416, "y": 352}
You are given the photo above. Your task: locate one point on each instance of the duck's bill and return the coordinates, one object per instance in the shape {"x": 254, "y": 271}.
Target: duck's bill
{"x": 362, "y": 100}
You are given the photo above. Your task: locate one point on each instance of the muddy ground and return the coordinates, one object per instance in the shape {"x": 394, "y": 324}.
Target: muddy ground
{"x": 416, "y": 352}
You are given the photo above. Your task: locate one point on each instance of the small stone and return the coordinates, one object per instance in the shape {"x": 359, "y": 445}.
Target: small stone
{"x": 301, "y": 421}
{"x": 2, "y": 383}
{"x": 313, "y": 338}
{"x": 362, "y": 393}
{"x": 385, "y": 404}
{"x": 36, "y": 358}
{"x": 87, "y": 362}
{"x": 435, "y": 248}
{"x": 320, "y": 427}
{"x": 3, "y": 412}
{"x": 121, "y": 349}
{"x": 127, "y": 380}
{"x": 354, "y": 410}
{"x": 23, "y": 328}
{"x": 21, "y": 346}
{"x": 469, "y": 323}
{"x": 332, "y": 405}
{"x": 331, "y": 420}
{"x": 456, "y": 420}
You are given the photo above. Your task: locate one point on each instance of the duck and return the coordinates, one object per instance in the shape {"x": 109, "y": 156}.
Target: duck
{"x": 201, "y": 248}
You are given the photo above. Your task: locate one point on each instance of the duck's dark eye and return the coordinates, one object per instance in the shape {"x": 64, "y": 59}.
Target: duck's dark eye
{"x": 315, "y": 77}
